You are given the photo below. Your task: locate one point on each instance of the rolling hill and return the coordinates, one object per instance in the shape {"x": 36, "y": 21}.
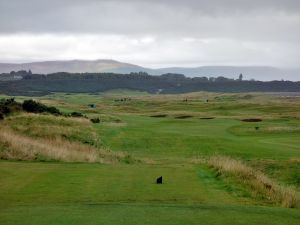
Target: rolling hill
{"x": 103, "y": 66}
{"x": 72, "y": 66}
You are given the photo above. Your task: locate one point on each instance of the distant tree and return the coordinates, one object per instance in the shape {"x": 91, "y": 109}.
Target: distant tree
{"x": 241, "y": 77}
{"x": 212, "y": 79}
{"x": 222, "y": 79}
{"x": 141, "y": 73}
{"x": 200, "y": 79}
{"x": 173, "y": 76}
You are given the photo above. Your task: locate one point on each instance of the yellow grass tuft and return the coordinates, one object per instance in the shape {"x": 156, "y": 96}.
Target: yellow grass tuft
{"x": 259, "y": 183}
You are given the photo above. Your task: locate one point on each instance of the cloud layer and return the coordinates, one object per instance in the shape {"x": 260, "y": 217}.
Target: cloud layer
{"x": 153, "y": 32}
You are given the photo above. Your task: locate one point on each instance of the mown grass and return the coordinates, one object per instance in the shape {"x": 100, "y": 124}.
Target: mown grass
{"x": 148, "y": 214}
{"x": 169, "y": 137}
{"x": 59, "y": 193}
{"x": 53, "y": 183}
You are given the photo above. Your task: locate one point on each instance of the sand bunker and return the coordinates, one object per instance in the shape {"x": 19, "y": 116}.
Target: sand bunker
{"x": 252, "y": 120}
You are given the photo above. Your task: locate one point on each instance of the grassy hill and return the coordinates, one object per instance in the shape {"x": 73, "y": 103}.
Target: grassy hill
{"x": 72, "y": 66}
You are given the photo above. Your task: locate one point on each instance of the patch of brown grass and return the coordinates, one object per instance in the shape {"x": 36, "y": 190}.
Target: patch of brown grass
{"x": 20, "y": 147}
{"x": 259, "y": 184}
{"x": 297, "y": 160}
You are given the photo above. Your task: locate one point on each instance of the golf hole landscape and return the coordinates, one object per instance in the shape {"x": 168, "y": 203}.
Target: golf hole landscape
{"x": 149, "y": 112}
{"x": 129, "y": 157}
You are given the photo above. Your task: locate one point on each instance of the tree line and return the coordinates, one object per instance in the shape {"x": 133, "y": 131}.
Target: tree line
{"x": 39, "y": 84}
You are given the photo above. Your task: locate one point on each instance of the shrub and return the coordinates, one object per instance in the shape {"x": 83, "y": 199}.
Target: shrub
{"x": 8, "y": 106}
{"x": 76, "y": 114}
{"x": 32, "y": 106}
{"x": 53, "y": 110}
{"x": 36, "y": 107}
{"x": 1, "y": 116}
{"x": 5, "y": 110}
{"x": 95, "y": 120}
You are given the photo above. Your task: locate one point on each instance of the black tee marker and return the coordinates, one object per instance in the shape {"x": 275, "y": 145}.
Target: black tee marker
{"x": 159, "y": 180}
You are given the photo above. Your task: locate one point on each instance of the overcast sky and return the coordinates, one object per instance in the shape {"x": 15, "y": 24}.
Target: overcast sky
{"x": 153, "y": 33}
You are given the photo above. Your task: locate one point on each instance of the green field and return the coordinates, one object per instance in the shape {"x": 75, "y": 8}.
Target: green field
{"x": 146, "y": 137}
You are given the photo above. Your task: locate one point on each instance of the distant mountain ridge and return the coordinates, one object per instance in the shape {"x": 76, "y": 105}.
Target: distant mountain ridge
{"x": 71, "y": 66}
{"x": 104, "y": 66}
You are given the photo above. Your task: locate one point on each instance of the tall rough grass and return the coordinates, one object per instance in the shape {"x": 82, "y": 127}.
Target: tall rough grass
{"x": 20, "y": 147}
{"x": 51, "y": 127}
{"x": 260, "y": 185}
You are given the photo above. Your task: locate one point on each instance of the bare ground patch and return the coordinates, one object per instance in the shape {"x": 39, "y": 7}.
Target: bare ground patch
{"x": 159, "y": 115}
{"x": 252, "y": 120}
{"x": 183, "y": 116}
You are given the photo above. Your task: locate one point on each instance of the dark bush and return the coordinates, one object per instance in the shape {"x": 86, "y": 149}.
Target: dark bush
{"x": 8, "y": 106}
{"x": 1, "y": 116}
{"x": 32, "y": 106}
{"x": 76, "y": 114}
{"x": 8, "y": 101}
{"x": 5, "y": 109}
{"x": 53, "y": 110}
{"x": 95, "y": 120}
{"x": 36, "y": 107}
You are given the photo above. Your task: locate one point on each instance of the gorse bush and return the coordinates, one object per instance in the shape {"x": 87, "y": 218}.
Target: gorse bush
{"x": 36, "y": 107}
{"x": 76, "y": 114}
{"x": 8, "y": 106}
{"x": 95, "y": 120}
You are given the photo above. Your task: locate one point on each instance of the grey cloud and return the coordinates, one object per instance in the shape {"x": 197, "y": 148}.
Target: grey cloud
{"x": 194, "y": 17}
{"x": 273, "y": 25}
